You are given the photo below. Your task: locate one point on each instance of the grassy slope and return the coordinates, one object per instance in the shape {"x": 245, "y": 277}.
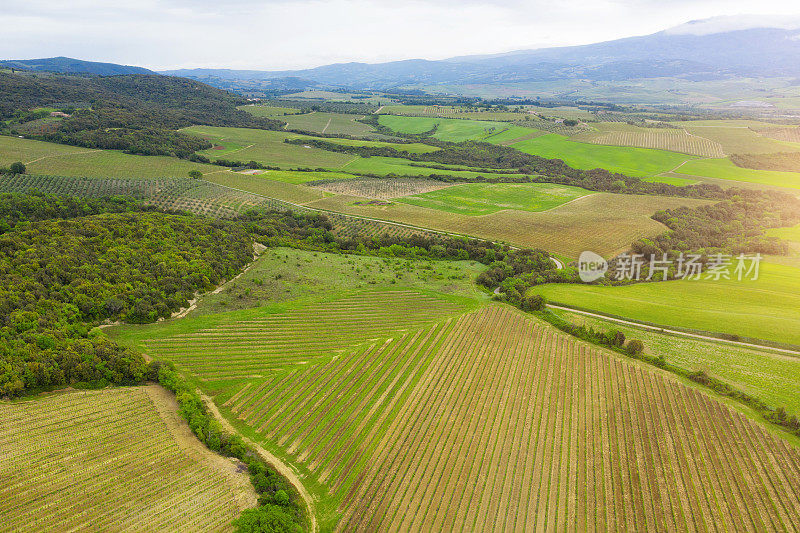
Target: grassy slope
{"x": 401, "y": 167}
{"x": 484, "y": 198}
{"x": 725, "y": 169}
{"x": 765, "y": 309}
{"x": 268, "y": 111}
{"x": 62, "y": 160}
{"x": 638, "y": 162}
{"x": 329, "y": 122}
{"x": 454, "y": 130}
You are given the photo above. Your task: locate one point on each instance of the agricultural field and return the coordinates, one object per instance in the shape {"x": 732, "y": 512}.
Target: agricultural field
{"x": 724, "y": 169}
{"x": 771, "y": 377}
{"x": 381, "y": 188}
{"x": 383, "y": 166}
{"x": 603, "y": 222}
{"x": 328, "y": 123}
{"x": 669, "y": 139}
{"x": 58, "y": 159}
{"x": 269, "y": 111}
{"x": 486, "y": 198}
{"x": 455, "y": 130}
{"x": 115, "y": 459}
{"x": 455, "y": 417}
{"x": 637, "y": 162}
{"x": 459, "y": 112}
{"x": 780, "y": 162}
{"x": 513, "y": 134}
{"x": 266, "y": 147}
{"x": 789, "y": 134}
{"x": 412, "y": 148}
{"x": 738, "y": 138}
{"x": 768, "y": 308}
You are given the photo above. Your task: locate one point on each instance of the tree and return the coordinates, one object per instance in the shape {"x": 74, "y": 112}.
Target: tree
{"x": 635, "y": 347}
{"x": 266, "y": 519}
{"x": 533, "y": 302}
{"x": 17, "y": 168}
{"x": 616, "y": 338}
{"x": 196, "y": 174}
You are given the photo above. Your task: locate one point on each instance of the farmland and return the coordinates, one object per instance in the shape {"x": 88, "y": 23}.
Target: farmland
{"x": 670, "y": 139}
{"x": 484, "y": 199}
{"x": 265, "y": 147}
{"x": 454, "y": 130}
{"x": 472, "y": 418}
{"x": 117, "y": 459}
{"x": 382, "y": 188}
{"x": 327, "y": 123}
{"x": 49, "y": 158}
{"x": 738, "y": 138}
{"x": 638, "y": 162}
{"x": 724, "y": 169}
{"x": 269, "y": 111}
{"x": 603, "y": 222}
{"x": 768, "y": 308}
{"x": 772, "y": 377}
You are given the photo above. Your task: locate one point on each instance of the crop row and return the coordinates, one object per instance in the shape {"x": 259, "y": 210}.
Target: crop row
{"x": 518, "y": 428}
{"x": 381, "y": 188}
{"x": 248, "y": 348}
{"x": 670, "y": 139}
{"x": 103, "y": 460}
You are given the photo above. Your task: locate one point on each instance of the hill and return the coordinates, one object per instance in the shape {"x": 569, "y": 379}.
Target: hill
{"x": 68, "y": 65}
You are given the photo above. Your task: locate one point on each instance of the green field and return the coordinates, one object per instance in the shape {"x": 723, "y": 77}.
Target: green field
{"x": 486, "y": 198}
{"x": 513, "y": 134}
{"x": 768, "y": 308}
{"x": 637, "y": 162}
{"x": 771, "y": 377}
{"x": 58, "y": 159}
{"x": 413, "y": 148}
{"x": 454, "y": 130}
{"x": 383, "y": 166}
{"x": 320, "y": 122}
{"x": 266, "y": 147}
{"x": 269, "y": 111}
{"x": 725, "y": 169}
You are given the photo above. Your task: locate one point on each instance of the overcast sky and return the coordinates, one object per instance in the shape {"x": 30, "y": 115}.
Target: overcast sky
{"x": 286, "y": 34}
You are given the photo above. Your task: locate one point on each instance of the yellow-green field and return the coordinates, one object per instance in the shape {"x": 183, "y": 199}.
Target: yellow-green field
{"x": 117, "y": 459}
{"x": 726, "y": 170}
{"x": 320, "y": 122}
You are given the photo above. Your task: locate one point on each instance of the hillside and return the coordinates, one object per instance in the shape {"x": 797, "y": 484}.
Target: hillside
{"x": 68, "y": 65}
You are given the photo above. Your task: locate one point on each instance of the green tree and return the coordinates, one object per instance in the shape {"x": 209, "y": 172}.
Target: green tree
{"x": 196, "y": 174}
{"x": 266, "y": 519}
{"x": 635, "y": 347}
{"x": 17, "y": 168}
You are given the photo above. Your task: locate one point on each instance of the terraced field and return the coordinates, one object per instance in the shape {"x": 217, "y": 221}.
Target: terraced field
{"x": 116, "y": 459}
{"x": 257, "y": 343}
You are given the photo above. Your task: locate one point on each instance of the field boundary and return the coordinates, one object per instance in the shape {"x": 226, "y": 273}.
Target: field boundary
{"x": 794, "y": 351}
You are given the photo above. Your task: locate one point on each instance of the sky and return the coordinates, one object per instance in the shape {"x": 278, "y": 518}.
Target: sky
{"x": 294, "y": 34}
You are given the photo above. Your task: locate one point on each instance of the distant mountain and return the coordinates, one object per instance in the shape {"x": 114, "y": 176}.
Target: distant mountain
{"x": 67, "y": 65}
{"x": 680, "y": 52}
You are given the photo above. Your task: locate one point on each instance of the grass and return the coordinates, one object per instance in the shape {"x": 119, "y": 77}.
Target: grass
{"x": 269, "y": 111}
{"x": 513, "y": 134}
{"x": 120, "y": 459}
{"x": 768, "y": 308}
{"x": 383, "y": 166}
{"x": 283, "y": 274}
{"x": 738, "y": 139}
{"x": 637, "y": 162}
{"x": 725, "y": 169}
{"x": 671, "y": 180}
{"x": 773, "y": 378}
{"x": 454, "y": 130}
{"x": 484, "y": 198}
{"x": 670, "y": 139}
{"x": 320, "y": 122}
{"x": 58, "y": 159}
{"x": 257, "y": 184}
{"x": 266, "y": 147}
{"x": 413, "y": 148}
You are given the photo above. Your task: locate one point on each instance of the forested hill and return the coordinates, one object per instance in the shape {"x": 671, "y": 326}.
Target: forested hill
{"x": 136, "y": 113}
{"x": 70, "y": 65}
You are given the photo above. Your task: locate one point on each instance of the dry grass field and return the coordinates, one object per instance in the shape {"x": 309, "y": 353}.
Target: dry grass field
{"x": 116, "y": 459}
{"x": 603, "y": 222}
{"x": 381, "y": 188}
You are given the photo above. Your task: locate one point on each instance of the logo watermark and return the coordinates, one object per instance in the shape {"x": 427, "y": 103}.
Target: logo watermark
{"x": 638, "y": 267}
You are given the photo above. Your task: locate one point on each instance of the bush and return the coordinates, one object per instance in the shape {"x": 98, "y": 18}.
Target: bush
{"x": 534, "y": 302}
{"x": 17, "y": 168}
{"x": 635, "y": 347}
{"x": 196, "y": 174}
{"x": 266, "y": 519}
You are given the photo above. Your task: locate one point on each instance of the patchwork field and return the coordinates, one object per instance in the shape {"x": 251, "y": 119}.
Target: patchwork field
{"x": 58, "y": 159}
{"x": 454, "y": 130}
{"x": 670, "y": 139}
{"x": 328, "y": 123}
{"x": 738, "y": 138}
{"x": 487, "y": 198}
{"x": 765, "y": 309}
{"x": 116, "y": 459}
{"x": 603, "y": 222}
{"x": 638, "y": 162}
{"x": 267, "y": 147}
